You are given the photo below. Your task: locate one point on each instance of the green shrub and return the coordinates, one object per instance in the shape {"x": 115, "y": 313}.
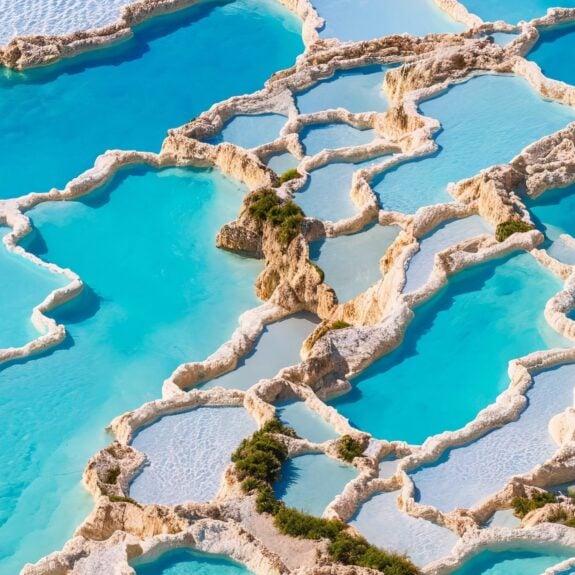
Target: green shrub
{"x": 523, "y": 505}
{"x": 261, "y": 203}
{"x": 289, "y": 229}
{"x": 112, "y": 475}
{"x": 250, "y": 484}
{"x": 339, "y": 324}
{"x": 351, "y": 550}
{"x": 570, "y": 522}
{"x": 266, "y": 501}
{"x": 349, "y": 448}
{"x": 289, "y": 175}
{"x": 276, "y": 426}
{"x": 509, "y": 228}
{"x": 297, "y": 524}
{"x": 122, "y": 499}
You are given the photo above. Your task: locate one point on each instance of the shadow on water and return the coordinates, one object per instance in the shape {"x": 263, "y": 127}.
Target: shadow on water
{"x": 116, "y": 55}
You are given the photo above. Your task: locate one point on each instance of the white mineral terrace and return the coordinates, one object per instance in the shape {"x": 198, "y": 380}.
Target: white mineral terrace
{"x": 441, "y": 502}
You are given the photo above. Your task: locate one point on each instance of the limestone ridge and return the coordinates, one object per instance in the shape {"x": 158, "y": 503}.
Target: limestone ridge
{"x": 119, "y": 528}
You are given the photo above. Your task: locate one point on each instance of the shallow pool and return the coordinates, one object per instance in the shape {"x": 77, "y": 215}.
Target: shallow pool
{"x": 311, "y": 482}
{"x": 485, "y": 121}
{"x": 318, "y": 137}
{"x": 326, "y": 195}
{"x": 305, "y": 422}
{"x": 278, "y": 347}
{"x": 188, "y": 453}
{"x": 352, "y": 263}
{"x": 281, "y": 163}
{"x": 512, "y": 562}
{"x": 365, "y": 19}
{"x": 251, "y": 131}
{"x": 145, "y": 247}
{"x": 383, "y": 524}
{"x": 56, "y": 120}
{"x": 23, "y": 286}
{"x": 184, "y": 562}
{"x": 359, "y": 90}
{"x": 513, "y": 11}
{"x": 491, "y": 313}
{"x": 484, "y": 466}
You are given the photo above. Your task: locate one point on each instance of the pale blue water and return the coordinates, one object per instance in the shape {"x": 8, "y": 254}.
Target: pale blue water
{"x": 553, "y": 215}
{"x": 383, "y": 524}
{"x": 365, "y": 19}
{"x": 305, "y": 422}
{"x": 484, "y": 466}
{"x": 188, "y": 453}
{"x": 311, "y": 482}
{"x": 251, "y": 131}
{"x": 22, "y": 287}
{"x": 326, "y": 193}
{"x": 503, "y": 38}
{"x": 278, "y": 347}
{"x": 331, "y": 136}
{"x": 485, "y": 121}
{"x": 61, "y": 117}
{"x": 351, "y": 263}
{"x": 513, "y": 11}
{"x": 358, "y": 91}
{"x": 492, "y": 313}
{"x": 512, "y": 562}
{"x": 442, "y": 237}
{"x": 549, "y": 52}
{"x": 282, "y": 163}
{"x": 145, "y": 247}
{"x": 183, "y": 562}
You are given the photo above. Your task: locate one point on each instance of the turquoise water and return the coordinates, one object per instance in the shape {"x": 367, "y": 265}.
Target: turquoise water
{"x": 331, "y": 136}
{"x": 305, "y": 422}
{"x": 552, "y": 214}
{"x": 251, "y": 131}
{"x": 358, "y": 91}
{"x": 187, "y": 454}
{"x": 550, "y": 50}
{"x": 483, "y": 467}
{"x": 513, "y": 11}
{"x": 485, "y": 121}
{"x": 311, "y": 482}
{"x": 145, "y": 247}
{"x": 281, "y": 163}
{"x": 351, "y": 263}
{"x": 182, "y": 562}
{"x": 503, "y": 38}
{"x": 278, "y": 347}
{"x": 512, "y": 562}
{"x": 326, "y": 195}
{"x": 23, "y": 286}
{"x": 365, "y": 19}
{"x": 383, "y": 524}
{"x": 491, "y": 313}
{"x": 61, "y": 117}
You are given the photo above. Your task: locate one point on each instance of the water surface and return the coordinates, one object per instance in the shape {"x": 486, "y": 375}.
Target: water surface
{"x": 550, "y": 50}
{"x": 513, "y": 11}
{"x": 318, "y": 137}
{"x": 251, "y": 131}
{"x": 305, "y": 422}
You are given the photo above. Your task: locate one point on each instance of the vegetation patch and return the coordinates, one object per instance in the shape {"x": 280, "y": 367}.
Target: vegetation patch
{"x": 285, "y": 217}
{"x": 325, "y": 328}
{"x": 258, "y": 463}
{"x": 523, "y": 505}
{"x": 506, "y": 229}
{"x": 123, "y": 499}
{"x": 318, "y": 270}
{"x": 289, "y": 175}
{"x": 348, "y": 448}
{"x": 112, "y": 475}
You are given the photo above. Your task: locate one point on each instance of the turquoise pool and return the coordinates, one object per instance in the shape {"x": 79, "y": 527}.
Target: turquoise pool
{"x": 311, "y": 482}
{"x": 512, "y": 562}
{"x": 549, "y": 51}
{"x": 352, "y": 263}
{"x": 145, "y": 247}
{"x": 513, "y": 11}
{"x": 319, "y": 137}
{"x": 491, "y": 313}
{"x": 183, "y": 562}
{"x": 365, "y": 19}
{"x": 305, "y": 422}
{"x": 23, "y": 286}
{"x": 467, "y": 112}
{"x": 251, "y": 131}
{"x": 61, "y": 117}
